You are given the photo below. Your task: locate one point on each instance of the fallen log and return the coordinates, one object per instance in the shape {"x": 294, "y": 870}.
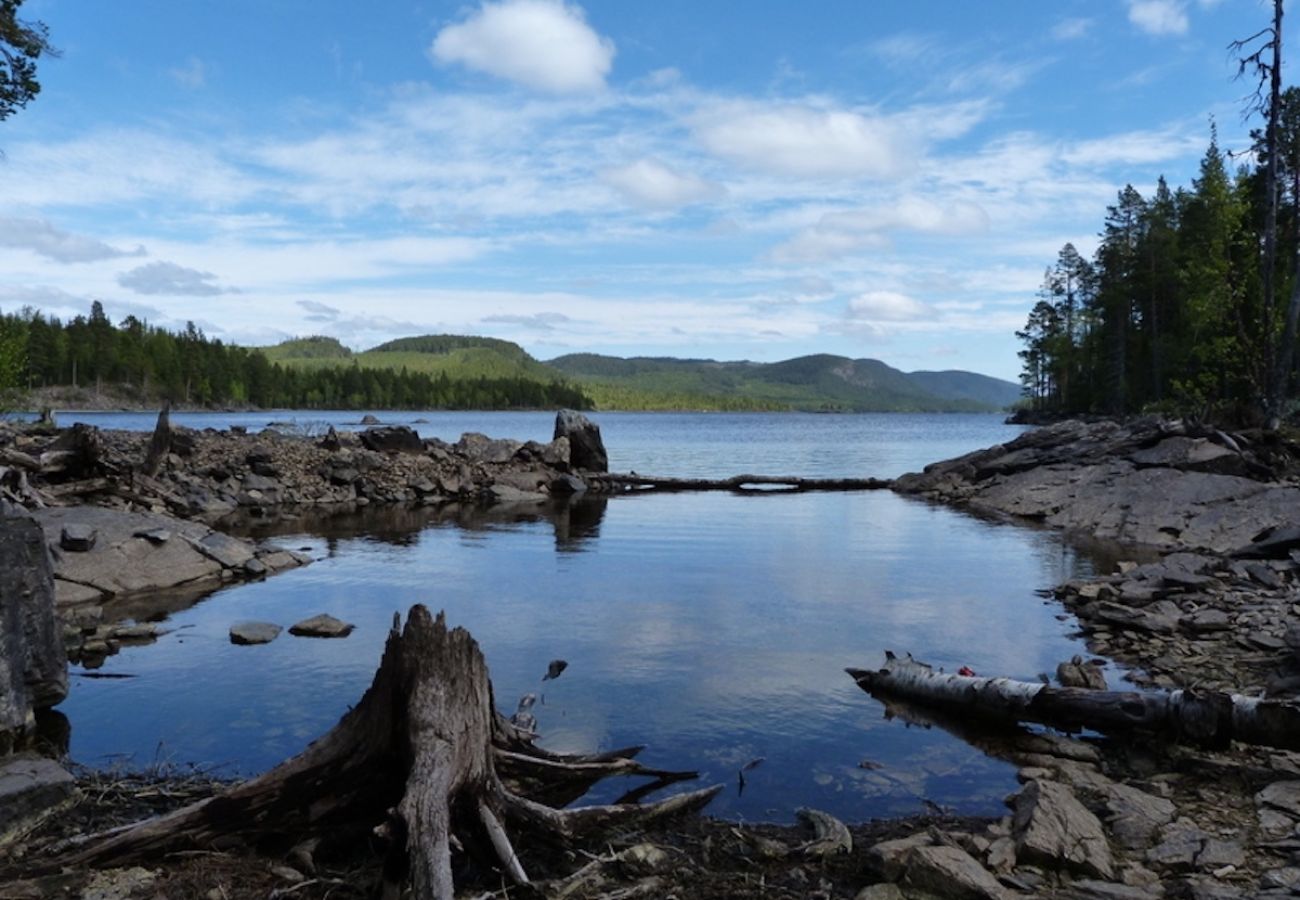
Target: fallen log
{"x": 1206, "y": 718}
{"x": 425, "y": 759}
{"x": 609, "y": 481}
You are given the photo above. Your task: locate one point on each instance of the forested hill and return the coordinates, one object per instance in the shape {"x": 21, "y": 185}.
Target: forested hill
{"x": 820, "y": 382}
{"x": 145, "y": 364}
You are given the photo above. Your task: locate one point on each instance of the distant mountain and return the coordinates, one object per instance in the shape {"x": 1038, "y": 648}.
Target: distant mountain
{"x": 820, "y": 382}
{"x": 968, "y": 386}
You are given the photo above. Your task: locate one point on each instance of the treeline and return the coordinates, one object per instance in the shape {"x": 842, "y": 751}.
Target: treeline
{"x": 190, "y": 369}
{"x": 1183, "y": 306}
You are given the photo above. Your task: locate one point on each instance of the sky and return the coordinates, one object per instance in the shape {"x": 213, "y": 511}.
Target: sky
{"x": 870, "y": 178}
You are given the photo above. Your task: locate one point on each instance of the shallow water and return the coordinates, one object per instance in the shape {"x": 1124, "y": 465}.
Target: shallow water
{"x": 713, "y": 627}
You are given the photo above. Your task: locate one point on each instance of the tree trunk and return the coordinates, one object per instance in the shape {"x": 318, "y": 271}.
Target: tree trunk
{"x": 423, "y": 756}
{"x": 737, "y": 483}
{"x": 1210, "y": 719}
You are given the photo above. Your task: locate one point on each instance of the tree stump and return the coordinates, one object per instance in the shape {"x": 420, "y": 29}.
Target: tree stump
{"x": 424, "y": 759}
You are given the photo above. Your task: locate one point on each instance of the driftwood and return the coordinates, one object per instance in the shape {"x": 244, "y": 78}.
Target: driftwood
{"x": 739, "y": 483}
{"x": 1206, "y": 718}
{"x": 425, "y": 760}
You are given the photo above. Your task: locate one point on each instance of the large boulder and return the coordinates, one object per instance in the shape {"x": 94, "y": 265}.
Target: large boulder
{"x": 392, "y": 439}
{"x": 586, "y": 449}
{"x": 33, "y": 661}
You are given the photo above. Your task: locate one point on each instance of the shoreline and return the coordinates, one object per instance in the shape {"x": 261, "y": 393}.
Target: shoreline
{"x": 1153, "y": 818}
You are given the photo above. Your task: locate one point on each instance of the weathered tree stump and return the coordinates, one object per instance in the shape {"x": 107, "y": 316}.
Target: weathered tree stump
{"x": 425, "y": 759}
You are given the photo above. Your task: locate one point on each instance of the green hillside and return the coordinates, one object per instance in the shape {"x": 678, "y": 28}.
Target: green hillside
{"x": 821, "y": 383}
{"x": 456, "y": 356}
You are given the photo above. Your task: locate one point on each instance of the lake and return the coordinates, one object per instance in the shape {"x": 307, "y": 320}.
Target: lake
{"x": 713, "y": 627}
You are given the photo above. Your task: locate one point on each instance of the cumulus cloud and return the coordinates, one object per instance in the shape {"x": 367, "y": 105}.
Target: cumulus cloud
{"x": 169, "y": 278}
{"x": 807, "y": 142}
{"x": 888, "y": 306}
{"x": 542, "y": 44}
{"x": 651, "y": 184}
{"x": 52, "y": 243}
{"x": 1161, "y": 18}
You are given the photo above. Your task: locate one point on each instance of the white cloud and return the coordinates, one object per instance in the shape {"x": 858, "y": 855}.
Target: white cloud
{"x": 889, "y": 306}
{"x": 1071, "y": 29}
{"x": 542, "y": 44}
{"x": 807, "y": 142}
{"x": 44, "y": 239}
{"x": 650, "y": 183}
{"x": 169, "y": 278}
{"x": 1159, "y": 17}
{"x": 839, "y": 233}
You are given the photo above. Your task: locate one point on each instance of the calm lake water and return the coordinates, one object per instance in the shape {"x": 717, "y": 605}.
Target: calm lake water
{"x": 714, "y": 628}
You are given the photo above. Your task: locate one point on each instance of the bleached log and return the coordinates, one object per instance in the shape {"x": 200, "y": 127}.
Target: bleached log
{"x": 1206, "y": 718}
{"x": 736, "y": 483}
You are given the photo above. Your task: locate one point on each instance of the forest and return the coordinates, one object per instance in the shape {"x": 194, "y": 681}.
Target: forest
{"x": 189, "y": 369}
{"x": 1182, "y": 307}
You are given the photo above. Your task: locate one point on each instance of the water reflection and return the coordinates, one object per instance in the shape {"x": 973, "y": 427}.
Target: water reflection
{"x": 714, "y": 628}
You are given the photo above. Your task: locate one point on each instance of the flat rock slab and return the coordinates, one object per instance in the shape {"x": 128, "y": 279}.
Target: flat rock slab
{"x": 247, "y": 633}
{"x": 324, "y": 625}
{"x": 30, "y": 788}
{"x": 952, "y": 872}
{"x": 1053, "y": 829}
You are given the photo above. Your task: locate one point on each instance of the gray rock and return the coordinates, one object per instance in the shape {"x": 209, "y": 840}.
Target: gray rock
{"x": 31, "y": 787}
{"x": 1217, "y": 853}
{"x": 33, "y": 660}
{"x": 1052, "y": 828}
{"x": 586, "y": 449}
{"x": 392, "y": 439}
{"x": 1080, "y": 674}
{"x": 568, "y": 484}
{"x": 1091, "y": 889}
{"x": 247, "y": 633}
{"x": 504, "y": 493}
{"x": 154, "y": 535}
{"x": 323, "y": 625}
{"x": 1283, "y": 795}
{"x": 889, "y": 858}
{"x": 882, "y": 891}
{"x": 481, "y": 448}
{"x": 77, "y": 538}
{"x": 1179, "y": 846}
{"x": 230, "y": 552}
{"x": 952, "y": 873}
{"x": 1135, "y": 815}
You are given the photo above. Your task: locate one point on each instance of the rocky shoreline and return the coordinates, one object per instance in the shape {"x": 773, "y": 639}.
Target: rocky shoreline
{"x": 1208, "y": 598}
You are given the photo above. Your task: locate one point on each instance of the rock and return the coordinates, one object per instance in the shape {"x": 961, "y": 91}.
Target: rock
{"x": 121, "y": 884}
{"x": 586, "y": 449}
{"x": 889, "y": 858}
{"x": 324, "y": 626}
{"x": 1283, "y": 795}
{"x": 33, "y": 660}
{"x": 369, "y": 419}
{"x": 1052, "y": 828}
{"x": 77, "y": 538}
{"x": 1135, "y": 815}
{"x": 1217, "y": 853}
{"x": 247, "y": 633}
{"x": 31, "y": 787}
{"x": 331, "y": 440}
{"x": 504, "y": 493}
{"x": 1080, "y": 674}
{"x": 480, "y": 448}
{"x": 882, "y": 891}
{"x": 1179, "y": 846}
{"x": 568, "y": 483}
{"x": 392, "y": 439}
{"x": 1091, "y": 889}
{"x": 952, "y": 873}
{"x": 154, "y": 535}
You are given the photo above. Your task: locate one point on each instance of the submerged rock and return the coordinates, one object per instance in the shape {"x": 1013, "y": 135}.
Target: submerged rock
{"x": 324, "y": 625}
{"x": 247, "y": 633}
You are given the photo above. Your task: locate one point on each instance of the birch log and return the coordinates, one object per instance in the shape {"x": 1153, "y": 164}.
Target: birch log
{"x": 1206, "y": 718}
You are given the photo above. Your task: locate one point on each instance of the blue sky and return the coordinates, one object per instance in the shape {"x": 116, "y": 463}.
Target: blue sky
{"x": 756, "y": 181}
